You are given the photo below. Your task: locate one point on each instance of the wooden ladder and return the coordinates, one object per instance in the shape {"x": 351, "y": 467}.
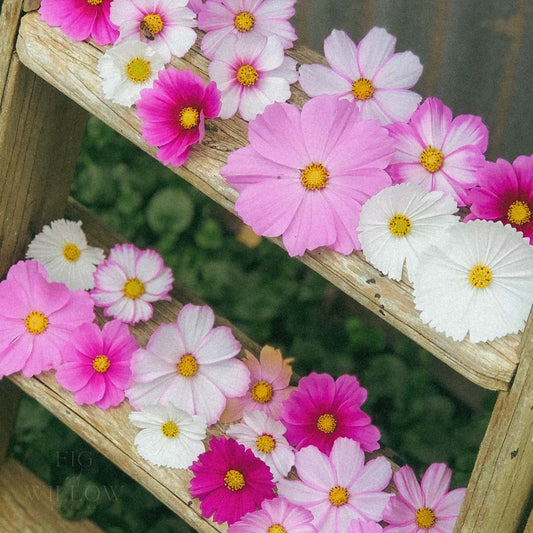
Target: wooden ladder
{"x": 48, "y": 85}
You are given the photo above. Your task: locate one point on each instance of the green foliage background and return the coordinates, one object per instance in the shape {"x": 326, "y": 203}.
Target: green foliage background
{"x": 272, "y": 298}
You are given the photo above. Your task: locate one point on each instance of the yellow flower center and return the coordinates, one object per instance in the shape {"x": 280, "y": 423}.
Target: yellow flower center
{"x": 247, "y": 75}
{"x": 326, "y": 423}
{"x": 425, "y": 518}
{"x": 154, "y": 23}
{"x": 170, "y": 430}
{"x": 431, "y": 159}
{"x": 36, "y": 322}
{"x": 71, "y": 252}
{"x": 234, "y": 480}
{"x": 314, "y": 176}
{"x": 189, "y": 118}
{"x": 362, "y": 89}
{"x": 480, "y": 276}
{"x": 276, "y": 528}
{"x": 188, "y": 366}
{"x": 265, "y": 443}
{"x": 262, "y": 392}
{"x": 519, "y": 213}
{"x": 94, "y": 2}
{"x": 338, "y": 496}
{"x": 138, "y": 70}
{"x": 101, "y": 364}
{"x": 244, "y": 21}
{"x": 133, "y": 288}
{"x": 400, "y": 225}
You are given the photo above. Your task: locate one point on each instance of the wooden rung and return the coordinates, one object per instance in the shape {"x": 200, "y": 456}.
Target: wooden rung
{"x": 110, "y": 431}
{"x": 28, "y": 504}
{"x": 72, "y": 68}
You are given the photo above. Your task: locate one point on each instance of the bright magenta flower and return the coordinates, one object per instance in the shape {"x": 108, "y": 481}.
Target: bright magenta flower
{"x": 173, "y": 113}
{"x": 505, "y": 193}
{"x": 80, "y": 19}
{"x": 321, "y": 410}
{"x": 96, "y": 363}
{"x": 36, "y": 319}
{"x": 439, "y": 153}
{"x": 230, "y": 481}
{"x": 429, "y": 507}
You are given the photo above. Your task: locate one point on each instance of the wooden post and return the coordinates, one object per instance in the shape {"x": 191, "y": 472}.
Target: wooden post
{"x": 500, "y": 489}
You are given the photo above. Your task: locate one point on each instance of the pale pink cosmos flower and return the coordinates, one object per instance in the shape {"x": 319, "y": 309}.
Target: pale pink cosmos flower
{"x": 96, "y": 364}
{"x": 173, "y": 112}
{"x": 242, "y": 18}
{"x": 269, "y": 385}
{"x": 438, "y": 152}
{"x": 251, "y": 74}
{"x": 81, "y": 19}
{"x": 167, "y": 25}
{"x": 364, "y": 526}
{"x": 196, "y": 5}
{"x": 129, "y": 281}
{"x": 36, "y": 319}
{"x": 306, "y": 174}
{"x": 339, "y": 487}
{"x": 429, "y": 507}
{"x": 190, "y": 364}
{"x": 369, "y": 73}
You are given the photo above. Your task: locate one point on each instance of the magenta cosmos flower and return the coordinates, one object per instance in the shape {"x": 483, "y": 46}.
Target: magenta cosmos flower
{"x": 230, "y": 481}
{"x": 369, "y": 73}
{"x": 340, "y": 487}
{"x": 36, "y": 319}
{"x": 252, "y": 73}
{"x": 505, "y": 193}
{"x": 429, "y": 507}
{"x": 167, "y": 25}
{"x": 80, "y": 19}
{"x": 321, "y": 410}
{"x": 242, "y": 18}
{"x": 129, "y": 281}
{"x": 190, "y": 364}
{"x": 439, "y": 153}
{"x": 276, "y": 516}
{"x": 96, "y": 363}
{"x": 269, "y": 385}
{"x": 305, "y": 175}
{"x": 173, "y": 113}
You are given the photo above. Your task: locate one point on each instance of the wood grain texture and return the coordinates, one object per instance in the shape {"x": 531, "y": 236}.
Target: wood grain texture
{"x": 71, "y": 67}
{"x": 28, "y": 505}
{"x": 9, "y": 23}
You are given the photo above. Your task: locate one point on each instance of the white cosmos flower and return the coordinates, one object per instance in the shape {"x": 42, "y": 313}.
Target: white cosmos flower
{"x": 62, "y": 248}
{"x": 477, "y": 280}
{"x": 169, "y": 436}
{"x": 399, "y": 223}
{"x": 127, "y": 68}
{"x": 265, "y": 437}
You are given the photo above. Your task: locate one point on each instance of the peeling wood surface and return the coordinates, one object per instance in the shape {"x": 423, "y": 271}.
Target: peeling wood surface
{"x": 9, "y": 23}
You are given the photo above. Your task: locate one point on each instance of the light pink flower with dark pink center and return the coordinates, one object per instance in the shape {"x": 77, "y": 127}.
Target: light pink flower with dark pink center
{"x": 96, "y": 363}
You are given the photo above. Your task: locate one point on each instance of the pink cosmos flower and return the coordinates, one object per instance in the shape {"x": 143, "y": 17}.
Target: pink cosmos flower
{"x": 251, "y": 73}
{"x": 369, "y": 73}
{"x": 269, "y": 385}
{"x": 242, "y": 18}
{"x": 429, "y": 507}
{"x": 36, "y": 319}
{"x": 80, "y": 19}
{"x": 340, "y": 487}
{"x": 359, "y": 526}
{"x": 321, "y": 410}
{"x": 306, "y": 174}
{"x": 196, "y": 5}
{"x": 190, "y": 364}
{"x": 96, "y": 363}
{"x": 277, "y": 513}
{"x": 505, "y": 193}
{"x": 173, "y": 113}
{"x": 167, "y": 25}
{"x": 129, "y": 281}
{"x": 230, "y": 481}
{"x": 439, "y": 153}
